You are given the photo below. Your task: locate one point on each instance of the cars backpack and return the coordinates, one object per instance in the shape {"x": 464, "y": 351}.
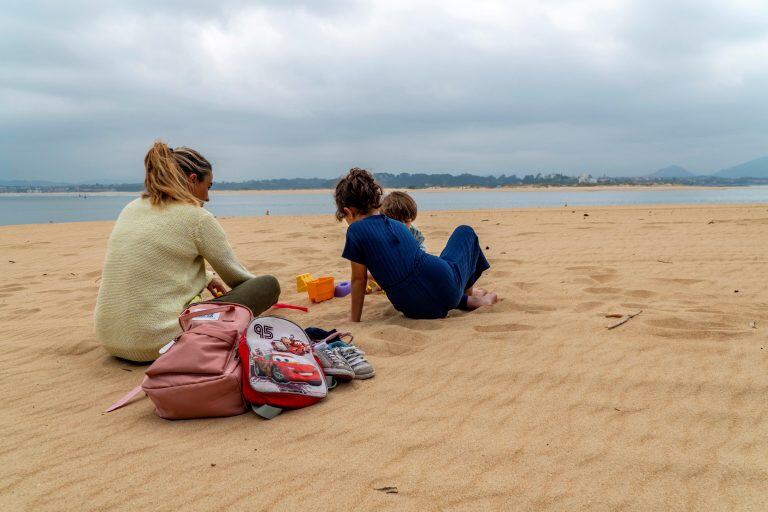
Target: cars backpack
{"x": 279, "y": 367}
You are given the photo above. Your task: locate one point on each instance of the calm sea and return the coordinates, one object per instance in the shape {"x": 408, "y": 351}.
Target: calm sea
{"x": 44, "y": 208}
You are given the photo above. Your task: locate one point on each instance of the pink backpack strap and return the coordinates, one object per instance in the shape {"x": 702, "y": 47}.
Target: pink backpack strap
{"x": 203, "y": 312}
{"x": 124, "y": 400}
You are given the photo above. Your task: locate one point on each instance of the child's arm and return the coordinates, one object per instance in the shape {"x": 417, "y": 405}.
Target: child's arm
{"x": 359, "y": 282}
{"x": 419, "y": 236}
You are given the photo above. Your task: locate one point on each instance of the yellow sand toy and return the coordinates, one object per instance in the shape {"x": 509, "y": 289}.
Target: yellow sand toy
{"x": 372, "y": 287}
{"x": 302, "y": 280}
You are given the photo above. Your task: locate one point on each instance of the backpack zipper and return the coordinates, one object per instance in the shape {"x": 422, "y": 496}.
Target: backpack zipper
{"x": 165, "y": 348}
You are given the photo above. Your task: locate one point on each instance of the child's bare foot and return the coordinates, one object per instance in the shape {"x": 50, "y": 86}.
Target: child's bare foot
{"x": 476, "y": 301}
{"x": 478, "y": 292}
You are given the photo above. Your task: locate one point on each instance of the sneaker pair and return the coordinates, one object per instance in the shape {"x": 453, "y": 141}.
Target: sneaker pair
{"x": 348, "y": 357}
{"x": 333, "y": 362}
{"x": 343, "y": 362}
{"x": 355, "y": 357}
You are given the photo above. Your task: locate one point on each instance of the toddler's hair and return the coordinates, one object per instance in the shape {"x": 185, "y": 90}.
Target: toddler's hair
{"x": 399, "y": 206}
{"x": 357, "y": 190}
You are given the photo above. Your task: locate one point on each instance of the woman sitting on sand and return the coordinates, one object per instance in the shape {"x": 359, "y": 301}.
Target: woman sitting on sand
{"x": 417, "y": 284}
{"x": 156, "y": 254}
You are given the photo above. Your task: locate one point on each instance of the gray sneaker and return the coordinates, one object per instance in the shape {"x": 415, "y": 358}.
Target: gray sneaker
{"x": 334, "y": 364}
{"x": 356, "y": 359}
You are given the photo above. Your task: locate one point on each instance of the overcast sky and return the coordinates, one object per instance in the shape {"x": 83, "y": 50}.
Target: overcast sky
{"x": 311, "y": 88}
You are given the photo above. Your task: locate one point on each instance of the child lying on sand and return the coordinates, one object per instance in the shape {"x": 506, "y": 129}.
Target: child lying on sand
{"x": 401, "y": 207}
{"x": 418, "y": 284}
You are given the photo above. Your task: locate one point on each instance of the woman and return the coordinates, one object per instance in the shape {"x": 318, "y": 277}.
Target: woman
{"x": 156, "y": 254}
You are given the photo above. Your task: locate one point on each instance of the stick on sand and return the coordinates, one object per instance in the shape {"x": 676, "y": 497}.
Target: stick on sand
{"x": 625, "y": 320}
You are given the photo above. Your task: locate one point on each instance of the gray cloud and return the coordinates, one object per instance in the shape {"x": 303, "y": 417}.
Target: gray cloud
{"x": 311, "y": 88}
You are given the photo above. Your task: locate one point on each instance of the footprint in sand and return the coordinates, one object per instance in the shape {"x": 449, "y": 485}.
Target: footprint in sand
{"x": 602, "y": 290}
{"x": 640, "y": 294}
{"x": 79, "y": 348}
{"x": 632, "y": 305}
{"x": 395, "y": 341}
{"x": 57, "y": 292}
{"x": 503, "y": 328}
{"x": 22, "y": 313}
{"x": 679, "y": 280}
{"x": 267, "y": 264}
{"x": 679, "y": 323}
{"x": 509, "y": 305}
{"x": 411, "y": 324}
{"x": 675, "y": 327}
{"x": 587, "y": 306}
{"x": 509, "y": 260}
{"x": 604, "y": 278}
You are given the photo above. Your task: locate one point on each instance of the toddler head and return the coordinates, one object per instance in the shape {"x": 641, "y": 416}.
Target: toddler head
{"x": 399, "y": 206}
{"x": 357, "y": 193}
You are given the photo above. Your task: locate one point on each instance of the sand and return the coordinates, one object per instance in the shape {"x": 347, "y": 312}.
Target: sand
{"x": 530, "y": 405}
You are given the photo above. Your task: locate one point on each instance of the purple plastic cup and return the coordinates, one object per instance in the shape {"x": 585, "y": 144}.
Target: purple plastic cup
{"x": 342, "y": 289}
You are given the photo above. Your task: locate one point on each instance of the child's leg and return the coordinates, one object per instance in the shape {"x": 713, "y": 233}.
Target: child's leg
{"x": 463, "y": 250}
{"x": 464, "y": 253}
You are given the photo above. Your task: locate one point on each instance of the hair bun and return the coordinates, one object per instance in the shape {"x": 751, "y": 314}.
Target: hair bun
{"x": 356, "y": 174}
{"x": 359, "y": 190}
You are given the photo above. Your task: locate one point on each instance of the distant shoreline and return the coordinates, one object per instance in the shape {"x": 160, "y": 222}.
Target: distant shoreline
{"x": 580, "y": 209}
{"x": 515, "y": 188}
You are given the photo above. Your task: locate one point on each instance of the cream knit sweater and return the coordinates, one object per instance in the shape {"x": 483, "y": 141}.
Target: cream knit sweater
{"x": 155, "y": 265}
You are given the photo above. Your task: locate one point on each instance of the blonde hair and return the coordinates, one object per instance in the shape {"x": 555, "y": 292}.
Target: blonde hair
{"x": 166, "y": 174}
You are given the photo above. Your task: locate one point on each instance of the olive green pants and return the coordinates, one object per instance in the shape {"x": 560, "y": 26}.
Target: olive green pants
{"x": 257, "y": 294}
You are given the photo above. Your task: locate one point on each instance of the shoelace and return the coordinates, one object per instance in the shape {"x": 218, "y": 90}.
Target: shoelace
{"x": 353, "y": 355}
{"x": 336, "y": 359}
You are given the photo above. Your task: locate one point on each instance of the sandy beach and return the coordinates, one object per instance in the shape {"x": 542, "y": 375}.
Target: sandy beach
{"x": 532, "y": 404}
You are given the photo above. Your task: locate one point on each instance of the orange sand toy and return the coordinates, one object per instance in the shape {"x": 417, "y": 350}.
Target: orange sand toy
{"x": 302, "y": 280}
{"x": 320, "y": 289}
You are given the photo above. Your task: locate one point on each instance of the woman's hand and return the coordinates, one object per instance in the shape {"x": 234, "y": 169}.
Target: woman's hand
{"x": 217, "y": 287}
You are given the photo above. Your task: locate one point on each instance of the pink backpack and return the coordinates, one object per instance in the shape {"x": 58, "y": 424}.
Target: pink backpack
{"x": 199, "y": 374}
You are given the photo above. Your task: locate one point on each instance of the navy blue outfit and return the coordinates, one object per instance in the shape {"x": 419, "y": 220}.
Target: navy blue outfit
{"x": 418, "y": 284}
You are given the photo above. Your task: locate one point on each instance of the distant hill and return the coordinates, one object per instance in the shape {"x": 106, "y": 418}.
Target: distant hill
{"x": 29, "y": 183}
{"x": 673, "y": 171}
{"x": 757, "y": 168}
{"x": 44, "y": 183}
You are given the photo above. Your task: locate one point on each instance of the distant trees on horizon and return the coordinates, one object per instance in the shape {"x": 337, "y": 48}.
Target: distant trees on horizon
{"x": 415, "y": 181}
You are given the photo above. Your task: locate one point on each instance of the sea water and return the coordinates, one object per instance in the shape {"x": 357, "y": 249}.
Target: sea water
{"x": 37, "y": 208}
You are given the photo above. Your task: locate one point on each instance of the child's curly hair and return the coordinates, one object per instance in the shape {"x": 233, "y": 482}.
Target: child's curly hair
{"x": 399, "y": 206}
{"x": 357, "y": 190}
